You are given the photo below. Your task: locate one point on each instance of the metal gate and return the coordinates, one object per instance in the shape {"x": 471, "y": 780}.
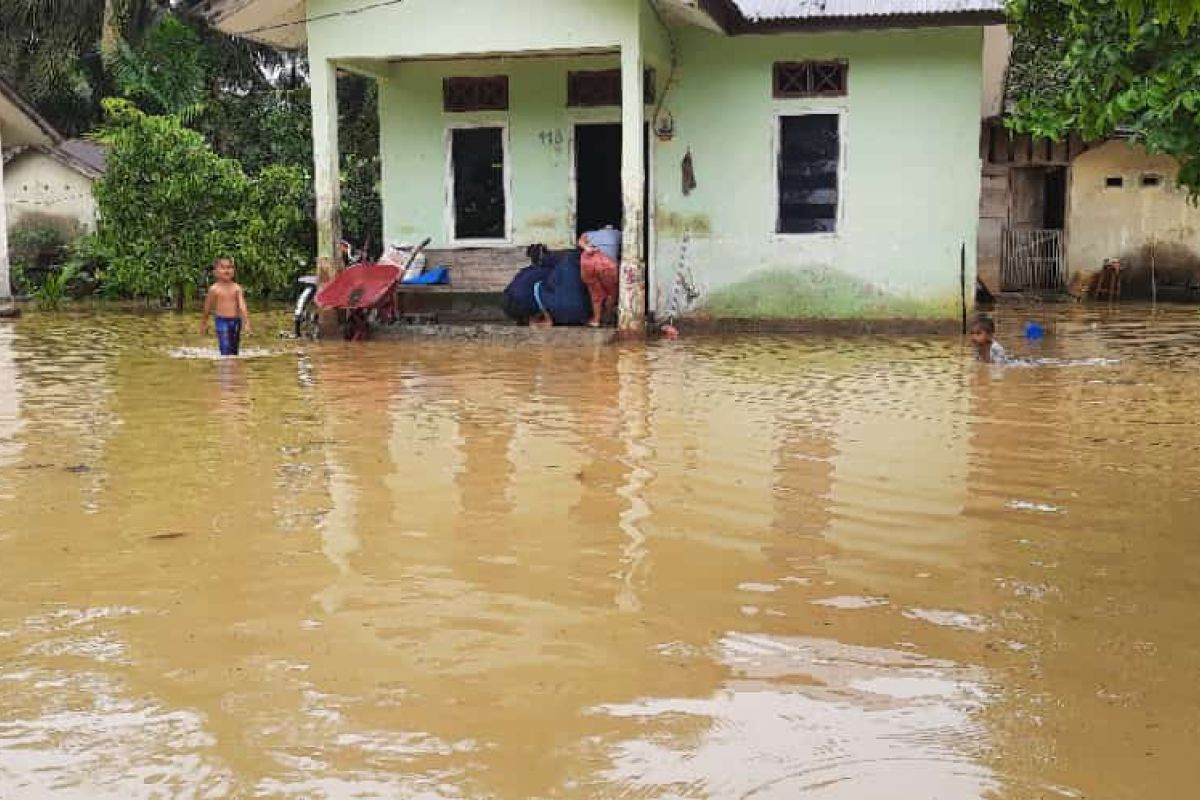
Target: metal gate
{"x": 1033, "y": 259}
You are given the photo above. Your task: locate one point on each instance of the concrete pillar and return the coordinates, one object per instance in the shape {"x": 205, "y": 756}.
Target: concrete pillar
{"x": 5, "y": 276}
{"x": 325, "y": 157}
{"x": 632, "y": 319}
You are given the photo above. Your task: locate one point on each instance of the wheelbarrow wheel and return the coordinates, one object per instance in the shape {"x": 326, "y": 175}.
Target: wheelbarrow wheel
{"x": 357, "y": 326}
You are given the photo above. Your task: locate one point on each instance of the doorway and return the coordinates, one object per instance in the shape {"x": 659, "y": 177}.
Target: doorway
{"x": 1033, "y": 250}
{"x": 598, "y": 200}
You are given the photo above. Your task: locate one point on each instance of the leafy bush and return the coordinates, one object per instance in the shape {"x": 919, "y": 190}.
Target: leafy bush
{"x": 169, "y": 206}
{"x": 36, "y": 244}
{"x": 272, "y": 241}
{"x": 362, "y": 209}
{"x": 54, "y": 288}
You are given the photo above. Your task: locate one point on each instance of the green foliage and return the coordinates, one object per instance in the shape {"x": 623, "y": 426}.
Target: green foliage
{"x": 166, "y": 74}
{"x": 168, "y": 205}
{"x": 272, "y": 244}
{"x": 34, "y": 245}
{"x": 1128, "y": 66}
{"x": 38, "y": 243}
{"x": 50, "y": 51}
{"x": 53, "y": 291}
{"x": 362, "y": 209}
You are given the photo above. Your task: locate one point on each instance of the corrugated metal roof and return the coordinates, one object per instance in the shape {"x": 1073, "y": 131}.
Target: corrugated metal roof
{"x": 90, "y": 154}
{"x": 766, "y": 10}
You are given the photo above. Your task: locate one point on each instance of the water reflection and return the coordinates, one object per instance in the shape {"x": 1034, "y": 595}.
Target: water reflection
{"x": 709, "y": 568}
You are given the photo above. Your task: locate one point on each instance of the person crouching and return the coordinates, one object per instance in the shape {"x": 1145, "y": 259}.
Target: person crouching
{"x": 598, "y": 268}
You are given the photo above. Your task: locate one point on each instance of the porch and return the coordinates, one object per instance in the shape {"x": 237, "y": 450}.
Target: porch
{"x": 502, "y": 138}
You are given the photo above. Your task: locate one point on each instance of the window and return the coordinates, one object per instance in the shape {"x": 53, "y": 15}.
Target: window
{"x": 475, "y": 94}
{"x": 602, "y": 88}
{"x": 809, "y": 152}
{"x": 1150, "y": 180}
{"x": 477, "y": 166}
{"x": 1114, "y": 182}
{"x": 810, "y": 79}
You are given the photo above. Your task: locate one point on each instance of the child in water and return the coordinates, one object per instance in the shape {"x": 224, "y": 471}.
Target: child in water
{"x": 983, "y": 338}
{"x": 227, "y": 300}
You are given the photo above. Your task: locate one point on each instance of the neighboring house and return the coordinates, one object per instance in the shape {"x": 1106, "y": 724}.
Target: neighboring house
{"x": 1053, "y": 212}
{"x": 800, "y": 158}
{"x": 20, "y": 126}
{"x": 54, "y": 182}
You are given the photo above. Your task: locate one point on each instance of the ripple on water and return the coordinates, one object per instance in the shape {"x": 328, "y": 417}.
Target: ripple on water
{"x": 813, "y": 718}
{"x": 211, "y": 354}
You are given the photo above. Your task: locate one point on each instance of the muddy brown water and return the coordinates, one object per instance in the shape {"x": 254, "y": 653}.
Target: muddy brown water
{"x": 841, "y": 569}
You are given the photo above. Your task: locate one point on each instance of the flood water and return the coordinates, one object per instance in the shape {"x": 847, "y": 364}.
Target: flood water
{"x": 839, "y": 569}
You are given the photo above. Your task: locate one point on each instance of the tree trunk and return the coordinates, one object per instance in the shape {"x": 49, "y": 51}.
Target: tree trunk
{"x": 110, "y": 32}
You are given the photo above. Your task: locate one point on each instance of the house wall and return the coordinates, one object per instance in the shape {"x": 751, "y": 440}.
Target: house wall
{"x": 413, "y": 131}
{"x": 911, "y": 168}
{"x": 1129, "y": 222}
{"x": 37, "y": 184}
{"x": 424, "y": 29}
{"x": 910, "y": 190}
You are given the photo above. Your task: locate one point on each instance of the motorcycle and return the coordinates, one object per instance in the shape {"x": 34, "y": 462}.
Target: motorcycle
{"x": 306, "y": 315}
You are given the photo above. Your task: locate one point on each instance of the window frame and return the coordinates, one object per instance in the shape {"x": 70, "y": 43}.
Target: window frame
{"x": 808, "y": 110}
{"x": 450, "y": 79}
{"x": 649, "y": 88}
{"x": 811, "y": 63}
{"x": 450, "y": 217}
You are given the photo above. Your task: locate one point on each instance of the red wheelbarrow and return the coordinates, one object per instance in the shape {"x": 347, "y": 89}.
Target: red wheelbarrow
{"x": 367, "y": 293}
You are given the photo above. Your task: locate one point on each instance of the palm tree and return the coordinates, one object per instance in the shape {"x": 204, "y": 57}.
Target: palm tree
{"x": 56, "y": 51}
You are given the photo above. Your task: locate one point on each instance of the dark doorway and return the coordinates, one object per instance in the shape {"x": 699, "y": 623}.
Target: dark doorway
{"x": 1054, "y": 215}
{"x": 599, "y": 200}
{"x": 597, "y": 177}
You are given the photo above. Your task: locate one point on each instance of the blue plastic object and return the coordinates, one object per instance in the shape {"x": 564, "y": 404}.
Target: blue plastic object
{"x": 1034, "y": 332}
{"x": 434, "y": 277}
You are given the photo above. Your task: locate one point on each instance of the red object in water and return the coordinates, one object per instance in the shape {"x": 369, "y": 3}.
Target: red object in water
{"x": 359, "y": 287}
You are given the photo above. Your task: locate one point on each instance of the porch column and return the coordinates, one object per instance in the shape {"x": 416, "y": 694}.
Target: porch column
{"x": 325, "y": 157}
{"x": 5, "y": 276}
{"x": 632, "y": 318}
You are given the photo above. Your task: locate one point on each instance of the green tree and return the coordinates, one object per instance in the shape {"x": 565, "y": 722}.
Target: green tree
{"x": 168, "y": 205}
{"x": 1113, "y": 65}
{"x": 273, "y": 244}
{"x": 167, "y": 72}
{"x": 54, "y": 52}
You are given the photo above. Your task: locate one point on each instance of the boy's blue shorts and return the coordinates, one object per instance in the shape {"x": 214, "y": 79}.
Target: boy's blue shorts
{"x": 229, "y": 335}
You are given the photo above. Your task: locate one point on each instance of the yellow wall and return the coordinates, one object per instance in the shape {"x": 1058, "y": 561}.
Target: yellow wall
{"x": 37, "y": 184}
{"x": 1124, "y": 222}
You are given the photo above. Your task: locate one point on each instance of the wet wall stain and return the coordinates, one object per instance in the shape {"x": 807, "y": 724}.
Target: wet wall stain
{"x": 823, "y": 293}
{"x": 670, "y": 224}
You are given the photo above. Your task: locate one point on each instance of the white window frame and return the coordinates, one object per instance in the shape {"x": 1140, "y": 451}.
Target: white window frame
{"x": 808, "y": 107}
{"x": 450, "y": 218}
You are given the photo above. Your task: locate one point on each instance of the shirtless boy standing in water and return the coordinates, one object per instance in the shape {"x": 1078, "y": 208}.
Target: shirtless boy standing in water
{"x": 227, "y": 300}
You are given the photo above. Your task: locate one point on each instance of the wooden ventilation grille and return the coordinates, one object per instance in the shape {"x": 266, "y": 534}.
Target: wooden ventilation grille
{"x": 475, "y": 94}
{"x": 810, "y": 78}
{"x": 602, "y": 88}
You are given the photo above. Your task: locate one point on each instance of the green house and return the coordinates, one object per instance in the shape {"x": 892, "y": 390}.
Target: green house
{"x": 764, "y": 158}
